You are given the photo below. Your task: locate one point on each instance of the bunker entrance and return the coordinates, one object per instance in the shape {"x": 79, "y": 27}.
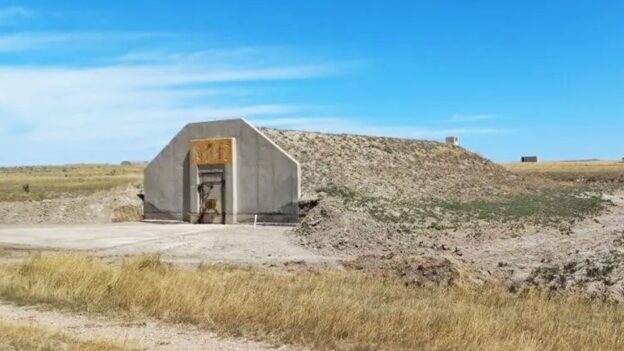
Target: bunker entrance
{"x": 211, "y": 195}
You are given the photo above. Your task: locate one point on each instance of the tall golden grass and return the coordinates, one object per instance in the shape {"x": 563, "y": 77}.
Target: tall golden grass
{"x": 19, "y": 337}
{"x": 326, "y": 310}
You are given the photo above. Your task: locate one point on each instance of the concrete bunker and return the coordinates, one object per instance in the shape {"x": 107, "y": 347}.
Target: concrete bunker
{"x": 529, "y": 159}
{"x": 222, "y": 172}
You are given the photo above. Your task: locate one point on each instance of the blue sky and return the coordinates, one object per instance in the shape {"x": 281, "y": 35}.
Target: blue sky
{"x": 110, "y": 81}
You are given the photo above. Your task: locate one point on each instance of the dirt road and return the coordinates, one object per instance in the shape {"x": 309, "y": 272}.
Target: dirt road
{"x": 148, "y": 334}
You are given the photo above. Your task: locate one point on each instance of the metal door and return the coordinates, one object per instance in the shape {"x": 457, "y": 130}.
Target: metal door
{"x": 211, "y": 191}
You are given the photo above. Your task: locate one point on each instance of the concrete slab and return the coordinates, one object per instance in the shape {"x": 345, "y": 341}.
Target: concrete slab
{"x": 180, "y": 243}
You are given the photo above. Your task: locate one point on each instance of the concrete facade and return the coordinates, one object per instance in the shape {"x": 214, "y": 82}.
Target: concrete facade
{"x": 260, "y": 178}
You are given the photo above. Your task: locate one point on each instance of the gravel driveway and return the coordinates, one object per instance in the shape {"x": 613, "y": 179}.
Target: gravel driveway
{"x": 179, "y": 243}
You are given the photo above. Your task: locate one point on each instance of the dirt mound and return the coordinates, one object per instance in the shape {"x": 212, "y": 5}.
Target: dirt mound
{"x": 394, "y": 168}
{"x": 601, "y": 278}
{"x": 331, "y": 229}
{"x": 415, "y": 269}
{"x": 127, "y": 213}
{"x": 120, "y": 204}
{"x": 380, "y": 195}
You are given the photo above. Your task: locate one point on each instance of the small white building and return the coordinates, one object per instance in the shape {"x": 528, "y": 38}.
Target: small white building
{"x": 452, "y": 140}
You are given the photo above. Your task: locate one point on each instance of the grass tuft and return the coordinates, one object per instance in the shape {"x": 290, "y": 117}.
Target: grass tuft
{"x": 18, "y": 337}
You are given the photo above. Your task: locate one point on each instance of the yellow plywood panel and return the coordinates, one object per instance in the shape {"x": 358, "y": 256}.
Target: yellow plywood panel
{"x": 211, "y": 151}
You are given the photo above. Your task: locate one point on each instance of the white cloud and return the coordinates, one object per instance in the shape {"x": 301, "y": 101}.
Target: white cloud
{"x": 22, "y": 41}
{"x": 129, "y": 109}
{"x": 12, "y": 14}
{"x": 71, "y": 41}
{"x": 233, "y": 55}
{"x": 59, "y": 114}
{"x": 472, "y": 118}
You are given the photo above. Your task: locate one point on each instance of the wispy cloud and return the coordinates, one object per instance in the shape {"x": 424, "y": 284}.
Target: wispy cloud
{"x": 13, "y": 14}
{"x": 472, "y": 118}
{"x": 131, "y": 101}
{"x": 127, "y": 108}
{"x": 130, "y": 104}
{"x": 72, "y": 41}
{"x": 132, "y": 109}
{"x": 232, "y": 55}
{"x": 23, "y": 42}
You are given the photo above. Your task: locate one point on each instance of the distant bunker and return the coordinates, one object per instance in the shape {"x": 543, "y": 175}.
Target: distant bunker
{"x": 529, "y": 159}
{"x": 222, "y": 172}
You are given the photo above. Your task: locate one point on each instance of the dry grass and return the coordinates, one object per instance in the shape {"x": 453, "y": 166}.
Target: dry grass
{"x": 328, "y": 310}
{"x": 49, "y": 182}
{"x": 16, "y": 337}
{"x": 578, "y": 172}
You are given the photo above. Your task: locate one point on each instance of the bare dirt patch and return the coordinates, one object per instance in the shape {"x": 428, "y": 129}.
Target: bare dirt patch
{"x": 416, "y": 270}
{"x": 588, "y": 259}
{"x": 100, "y": 207}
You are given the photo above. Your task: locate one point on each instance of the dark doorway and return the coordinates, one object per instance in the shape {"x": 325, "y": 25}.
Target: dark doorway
{"x": 211, "y": 194}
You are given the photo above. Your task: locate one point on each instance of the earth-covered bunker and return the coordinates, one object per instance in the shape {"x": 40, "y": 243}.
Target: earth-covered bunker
{"x": 222, "y": 172}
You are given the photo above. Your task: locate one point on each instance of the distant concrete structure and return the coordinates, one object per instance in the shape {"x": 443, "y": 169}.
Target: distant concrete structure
{"x": 452, "y": 140}
{"x": 529, "y": 159}
{"x": 222, "y": 172}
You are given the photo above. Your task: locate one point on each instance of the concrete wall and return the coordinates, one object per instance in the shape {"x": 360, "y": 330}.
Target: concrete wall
{"x": 266, "y": 179}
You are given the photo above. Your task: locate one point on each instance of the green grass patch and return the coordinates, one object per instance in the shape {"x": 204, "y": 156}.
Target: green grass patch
{"x": 548, "y": 207}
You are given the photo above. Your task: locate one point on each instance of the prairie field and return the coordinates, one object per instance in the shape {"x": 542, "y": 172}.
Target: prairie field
{"x": 609, "y": 172}
{"x": 325, "y": 309}
{"x": 51, "y": 182}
